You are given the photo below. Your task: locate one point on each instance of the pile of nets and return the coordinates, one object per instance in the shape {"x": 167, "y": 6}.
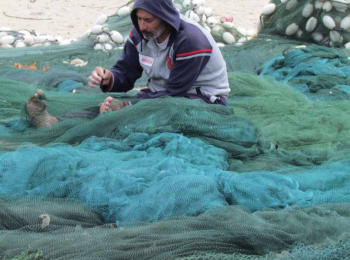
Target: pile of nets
{"x": 264, "y": 178}
{"x": 323, "y": 22}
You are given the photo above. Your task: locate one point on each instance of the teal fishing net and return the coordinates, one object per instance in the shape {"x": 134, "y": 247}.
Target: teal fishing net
{"x": 264, "y": 178}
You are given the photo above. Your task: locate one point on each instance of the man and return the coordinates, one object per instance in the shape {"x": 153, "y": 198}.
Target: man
{"x": 180, "y": 58}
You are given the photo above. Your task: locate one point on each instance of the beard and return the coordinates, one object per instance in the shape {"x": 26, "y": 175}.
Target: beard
{"x": 154, "y": 35}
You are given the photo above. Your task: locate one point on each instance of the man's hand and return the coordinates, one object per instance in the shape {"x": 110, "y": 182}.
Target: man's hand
{"x": 97, "y": 75}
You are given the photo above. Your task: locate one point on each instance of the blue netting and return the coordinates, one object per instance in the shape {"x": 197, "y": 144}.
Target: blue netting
{"x": 312, "y": 69}
{"x": 148, "y": 178}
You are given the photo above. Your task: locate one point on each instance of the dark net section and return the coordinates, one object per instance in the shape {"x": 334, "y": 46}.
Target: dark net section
{"x": 50, "y": 228}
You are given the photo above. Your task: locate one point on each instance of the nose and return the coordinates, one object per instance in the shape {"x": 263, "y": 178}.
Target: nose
{"x": 142, "y": 26}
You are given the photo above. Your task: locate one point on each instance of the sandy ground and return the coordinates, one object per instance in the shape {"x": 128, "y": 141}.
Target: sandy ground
{"x": 72, "y": 18}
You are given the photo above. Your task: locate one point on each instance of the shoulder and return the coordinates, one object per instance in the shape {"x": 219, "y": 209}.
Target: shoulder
{"x": 192, "y": 40}
{"x": 134, "y": 37}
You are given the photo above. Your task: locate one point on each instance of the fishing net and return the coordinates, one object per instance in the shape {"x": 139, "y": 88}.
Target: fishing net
{"x": 264, "y": 178}
{"x": 322, "y": 22}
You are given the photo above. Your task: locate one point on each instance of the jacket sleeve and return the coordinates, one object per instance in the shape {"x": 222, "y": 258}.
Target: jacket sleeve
{"x": 192, "y": 51}
{"x": 127, "y": 70}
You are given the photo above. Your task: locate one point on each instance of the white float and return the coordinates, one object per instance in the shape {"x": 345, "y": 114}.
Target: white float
{"x": 196, "y": 3}
{"x": 292, "y": 29}
{"x": 124, "y": 11}
{"x": 318, "y": 4}
{"x": 345, "y": 23}
{"x": 97, "y": 29}
{"x": 212, "y": 22}
{"x": 292, "y": 4}
{"x": 116, "y": 37}
{"x": 50, "y": 38}
{"x": 251, "y": 32}
{"x": 98, "y": 46}
{"x": 307, "y": 10}
{"x": 268, "y": 9}
{"x": 328, "y": 22}
{"x": 102, "y": 38}
{"x": 24, "y": 32}
{"x": 19, "y": 44}
{"x": 102, "y": 19}
{"x": 300, "y": 33}
{"x": 28, "y": 39}
{"x": 242, "y": 31}
{"x": 66, "y": 41}
{"x": 40, "y": 38}
{"x": 335, "y": 37}
{"x": 317, "y": 36}
{"x": 192, "y": 15}
{"x": 327, "y": 6}
{"x": 108, "y": 47}
{"x": 311, "y": 24}
{"x": 88, "y": 32}
{"x": 2, "y": 34}
{"x": 228, "y": 38}
{"x": 186, "y": 4}
{"x": 228, "y": 25}
{"x": 58, "y": 39}
{"x": 340, "y": 5}
{"x": 8, "y": 39}
{"x": 208, "y": 11}
{"x": 199, "y": 10}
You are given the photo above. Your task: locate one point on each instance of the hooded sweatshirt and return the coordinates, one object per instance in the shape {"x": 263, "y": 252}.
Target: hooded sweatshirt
{"x": 188, "y": 63}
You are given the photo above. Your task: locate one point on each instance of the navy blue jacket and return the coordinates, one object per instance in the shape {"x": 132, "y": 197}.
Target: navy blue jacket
{"x": 191, "y": 63}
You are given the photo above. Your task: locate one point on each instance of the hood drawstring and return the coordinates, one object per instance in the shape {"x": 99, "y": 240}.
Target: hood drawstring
{"x": 172, "y": 38}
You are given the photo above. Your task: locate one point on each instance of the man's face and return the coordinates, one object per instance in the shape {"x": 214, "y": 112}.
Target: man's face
{"x": 150, "y": 25}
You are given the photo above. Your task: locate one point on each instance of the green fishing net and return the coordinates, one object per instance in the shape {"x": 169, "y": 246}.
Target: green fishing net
{"x": 265, "y": 178}
{"x": 323, "y": 22}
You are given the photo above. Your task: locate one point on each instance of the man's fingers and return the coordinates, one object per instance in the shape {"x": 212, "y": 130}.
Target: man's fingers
{"x": 95, "y": 81}
{"x": 92, "y": 82}
{"x": 92, "y": 85}
{"x": 100, "y": 72}
{"x": 96, "y": 77}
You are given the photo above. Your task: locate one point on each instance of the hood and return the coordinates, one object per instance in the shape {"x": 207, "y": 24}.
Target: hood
{"x": 163, "y": 9}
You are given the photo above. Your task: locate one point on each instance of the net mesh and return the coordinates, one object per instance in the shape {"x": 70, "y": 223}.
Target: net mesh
{"x": 264, "y": 178}
{"x": 322, "y": 22}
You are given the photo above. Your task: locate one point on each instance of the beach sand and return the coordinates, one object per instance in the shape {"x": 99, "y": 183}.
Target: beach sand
{"x": 72, "y": 18}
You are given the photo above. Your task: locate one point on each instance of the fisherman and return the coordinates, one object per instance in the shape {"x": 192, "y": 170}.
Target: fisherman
{"x": 180, "y": 58}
